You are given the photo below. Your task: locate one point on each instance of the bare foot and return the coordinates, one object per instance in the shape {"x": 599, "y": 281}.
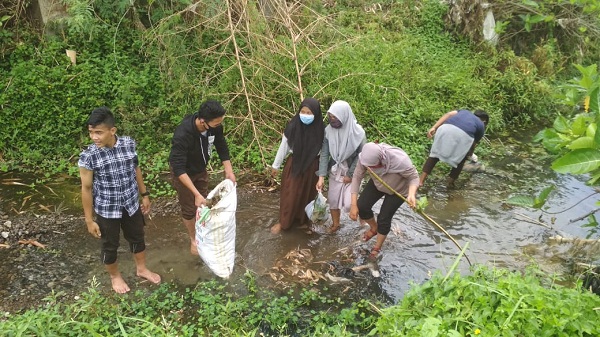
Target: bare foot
{"x": 194, "y": 249}
{"x": 119, "y": 285}
{"x": 276, "y": 229}
{"x": 150, "y": 276}
{"x": 333, "y": 229}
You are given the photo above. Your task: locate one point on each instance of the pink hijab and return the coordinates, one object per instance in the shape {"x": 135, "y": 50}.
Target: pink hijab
{"x": 390, "y": 157}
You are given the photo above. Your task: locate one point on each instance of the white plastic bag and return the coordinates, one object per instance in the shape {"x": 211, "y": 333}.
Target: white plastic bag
{"x": 316, "y": 210}
{"x": 215, "y": 229}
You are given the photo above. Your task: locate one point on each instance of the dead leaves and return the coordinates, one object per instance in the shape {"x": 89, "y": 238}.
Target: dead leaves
{"x": 295, "y": 267}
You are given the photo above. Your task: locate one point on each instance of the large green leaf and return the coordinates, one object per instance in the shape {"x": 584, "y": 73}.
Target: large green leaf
{"x": 561, "y": 124}
{"x": 521, "y": 200}
{"x": 578, "y": 161}
{"x": 550, "y": 139}
{"x": 583, "y": 143}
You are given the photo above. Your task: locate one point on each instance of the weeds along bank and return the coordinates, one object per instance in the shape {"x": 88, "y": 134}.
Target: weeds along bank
{"x": 397, "y": 64}
{"x": 489, "y": 302}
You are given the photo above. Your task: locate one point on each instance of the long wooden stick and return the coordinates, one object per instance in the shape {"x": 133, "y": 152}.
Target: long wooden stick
{"x": 420, "y": 212}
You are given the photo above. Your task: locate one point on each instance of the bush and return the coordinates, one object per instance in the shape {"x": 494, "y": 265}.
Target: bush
{"x": 493, "y": 302}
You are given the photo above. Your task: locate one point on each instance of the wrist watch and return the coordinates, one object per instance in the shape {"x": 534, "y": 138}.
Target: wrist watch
{"x": 145, "y": 194}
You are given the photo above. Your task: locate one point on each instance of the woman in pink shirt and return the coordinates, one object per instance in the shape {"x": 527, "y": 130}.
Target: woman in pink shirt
{"x": 395, "y": 168}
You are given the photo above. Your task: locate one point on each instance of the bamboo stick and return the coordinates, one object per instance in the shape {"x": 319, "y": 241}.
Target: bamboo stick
{"x": 420, "y": 212}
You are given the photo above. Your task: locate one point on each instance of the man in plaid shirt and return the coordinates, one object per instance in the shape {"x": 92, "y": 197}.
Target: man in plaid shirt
{"x": 111, "y": 184}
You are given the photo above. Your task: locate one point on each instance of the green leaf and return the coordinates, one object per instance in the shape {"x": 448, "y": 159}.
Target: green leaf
{"x": 578, "y": 161}
{"x": 579, "y": 125}
{"x": 591, "y": 130}
{"x": 583, "y": 143}
{"x": 531, "y": 3}
{"x": 594, "y": 127}
{"x": 561, "y": 124}
{"x": 540, "y": 200}
{"x": 521, "y": 200}
{"x": 537, "y": 18}
{"x": 422, "y": 203}
{"x": 595, "y": 100}
{"x": 594, "y": 179}
{"x": 589, "y": 73}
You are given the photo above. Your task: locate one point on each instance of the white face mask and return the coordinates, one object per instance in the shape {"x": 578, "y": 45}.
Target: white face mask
{"x": 307, "y": 119}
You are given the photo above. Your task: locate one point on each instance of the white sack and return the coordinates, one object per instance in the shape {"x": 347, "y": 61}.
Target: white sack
{"x": 215, "y": 229}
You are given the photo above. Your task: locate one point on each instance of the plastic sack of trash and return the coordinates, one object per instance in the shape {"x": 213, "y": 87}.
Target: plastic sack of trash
{"x": 316, "y": 210}
{"x": 215, "y": 229}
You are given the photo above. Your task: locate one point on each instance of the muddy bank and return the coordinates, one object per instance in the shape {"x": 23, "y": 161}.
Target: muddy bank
{"x": 37, "y": 257}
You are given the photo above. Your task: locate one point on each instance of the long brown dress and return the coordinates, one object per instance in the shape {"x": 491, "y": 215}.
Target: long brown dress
{"x": 296, "y": 192}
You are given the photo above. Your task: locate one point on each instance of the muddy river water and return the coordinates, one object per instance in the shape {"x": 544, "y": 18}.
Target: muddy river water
{"x": 475, "y": 213}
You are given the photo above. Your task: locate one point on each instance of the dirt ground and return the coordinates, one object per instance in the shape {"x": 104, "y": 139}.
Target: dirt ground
{"x": 38, "y": 256}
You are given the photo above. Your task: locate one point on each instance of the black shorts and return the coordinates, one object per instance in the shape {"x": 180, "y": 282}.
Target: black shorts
{"x": 110, "y": 230}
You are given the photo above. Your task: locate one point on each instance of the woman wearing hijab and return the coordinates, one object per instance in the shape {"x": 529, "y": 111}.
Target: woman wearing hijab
{"x": 395, "y": 168}
{"x": 457, "y": 133}
{"x": 302, "y": 139}
{"x": 344, "y": 139}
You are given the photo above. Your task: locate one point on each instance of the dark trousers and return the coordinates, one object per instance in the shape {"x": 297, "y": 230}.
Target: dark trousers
{"x": 391, "y": 202}
{"x": 110, "y": 230}
{"x": 454, "y": 173}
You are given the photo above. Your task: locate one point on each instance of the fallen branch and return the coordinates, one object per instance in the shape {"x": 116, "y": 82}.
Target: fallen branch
{"x": 32, "y": 242}
{"x": 585, "y": 215}
{"x": 586, "y": 267}
{"x": 420, "y": 212}
{"x": 559, "y": 239}
{"x": 532, "y": 220}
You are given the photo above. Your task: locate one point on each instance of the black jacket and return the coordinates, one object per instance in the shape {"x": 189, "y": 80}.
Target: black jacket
{"x": 190, "y": 150}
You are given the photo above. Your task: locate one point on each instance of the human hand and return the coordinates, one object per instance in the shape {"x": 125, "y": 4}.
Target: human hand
{"x": 412, "y": 201}
{"x": 431, "y": 132}
{"x": 274, "y": 172}
{"x": 94, "y": 229}
{"x": 347, "y": 180}
{"x": 199, "y": 200}
{"x": 145, "y": 206}
{"x": 320, "y": 184}
{"x": 353, "y": 212}
{"x": 231, "y": 177}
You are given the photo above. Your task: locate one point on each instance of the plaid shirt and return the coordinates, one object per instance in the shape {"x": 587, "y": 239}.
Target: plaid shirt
{"x": 114, "y": 186}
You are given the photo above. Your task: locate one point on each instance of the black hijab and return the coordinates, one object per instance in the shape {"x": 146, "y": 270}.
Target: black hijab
{"x": 305, "y": 140}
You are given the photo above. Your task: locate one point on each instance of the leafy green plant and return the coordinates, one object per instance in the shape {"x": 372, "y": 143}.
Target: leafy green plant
{"x": 574, "y": 141}
{"x": 535, "y": 201}
{"x": 492, "y": 302}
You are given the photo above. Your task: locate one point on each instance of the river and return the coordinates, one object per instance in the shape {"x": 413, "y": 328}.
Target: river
{"x": 474, "y": 213}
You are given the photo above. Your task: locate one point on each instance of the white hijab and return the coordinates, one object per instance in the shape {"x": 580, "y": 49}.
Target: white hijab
{"x": 345, "y": 140}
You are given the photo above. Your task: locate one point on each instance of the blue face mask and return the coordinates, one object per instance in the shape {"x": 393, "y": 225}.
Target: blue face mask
{"x": 307, "y": 119}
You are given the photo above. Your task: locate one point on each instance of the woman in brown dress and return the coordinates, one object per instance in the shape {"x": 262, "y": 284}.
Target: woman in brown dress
{"x": 302, "y": 140}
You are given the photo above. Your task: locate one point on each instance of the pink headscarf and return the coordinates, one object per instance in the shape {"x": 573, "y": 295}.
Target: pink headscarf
{"x": 390, "y": 157}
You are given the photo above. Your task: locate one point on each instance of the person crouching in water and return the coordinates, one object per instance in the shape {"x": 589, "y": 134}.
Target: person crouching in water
{"x": 395, "y": 168}
{"x": 457, "y": 133}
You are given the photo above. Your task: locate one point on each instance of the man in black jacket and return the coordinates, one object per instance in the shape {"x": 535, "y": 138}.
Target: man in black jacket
{"x": 191, "y": 148}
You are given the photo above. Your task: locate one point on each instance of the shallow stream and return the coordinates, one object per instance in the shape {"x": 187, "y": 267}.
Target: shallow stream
{"x": 474, "y": 212}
